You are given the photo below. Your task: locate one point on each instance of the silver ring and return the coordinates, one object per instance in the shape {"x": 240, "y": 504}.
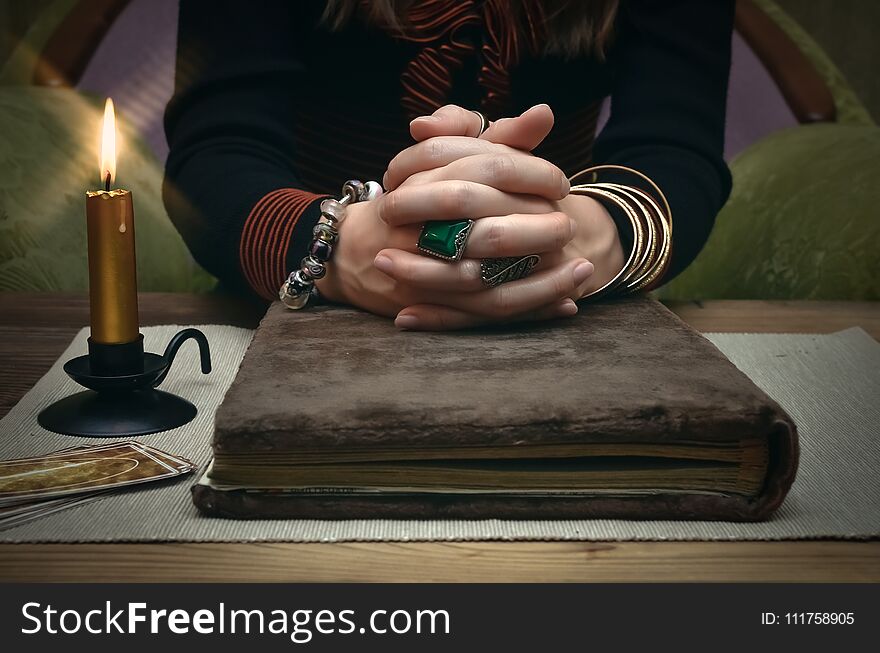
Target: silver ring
{"x": 484, "y": 123}
{"x": 495, "y": 271}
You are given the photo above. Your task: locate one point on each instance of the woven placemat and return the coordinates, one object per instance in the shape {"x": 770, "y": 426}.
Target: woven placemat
{"x": 829, "y": 384}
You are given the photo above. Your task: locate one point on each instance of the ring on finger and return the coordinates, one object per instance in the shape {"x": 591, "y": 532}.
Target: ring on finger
{"x": 495, "y": 271}
{"x": 484, "y": 123}
{"x": 445, "y": 239}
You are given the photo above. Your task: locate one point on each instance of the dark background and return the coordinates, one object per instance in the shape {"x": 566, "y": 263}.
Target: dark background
{"x": 846, "y": 29}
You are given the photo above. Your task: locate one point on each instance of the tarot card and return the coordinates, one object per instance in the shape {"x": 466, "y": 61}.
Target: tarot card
{"x": 84, "y": 470}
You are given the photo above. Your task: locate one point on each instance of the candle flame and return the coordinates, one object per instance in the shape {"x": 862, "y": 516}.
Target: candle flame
{"x": 108, "y": 144}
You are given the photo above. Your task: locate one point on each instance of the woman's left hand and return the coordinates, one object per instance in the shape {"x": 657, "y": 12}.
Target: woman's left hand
{"x": 449, "y": 152}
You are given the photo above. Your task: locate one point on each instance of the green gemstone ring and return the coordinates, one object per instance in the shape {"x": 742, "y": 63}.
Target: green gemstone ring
{"x": 445, "y": 239}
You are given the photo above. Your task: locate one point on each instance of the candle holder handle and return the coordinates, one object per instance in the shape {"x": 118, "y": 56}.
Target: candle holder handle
{"x": 122, "y": 399}
{"x": 175, "y": 343}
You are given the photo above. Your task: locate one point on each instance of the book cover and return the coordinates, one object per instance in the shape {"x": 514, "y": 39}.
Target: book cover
{"x": 622, "y": 411}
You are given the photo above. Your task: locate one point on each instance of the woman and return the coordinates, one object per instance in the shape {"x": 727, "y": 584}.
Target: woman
{"x": 278, "y": 103}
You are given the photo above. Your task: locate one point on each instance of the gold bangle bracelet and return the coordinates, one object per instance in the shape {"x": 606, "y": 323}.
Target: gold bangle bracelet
{"x": 649, "y": 261}
{"x": 665, "y": 248}
{"x": 594, "y": 170}
{"x": 643, "y": 243}
{"x": 658, "y": 228}
{"x": 638, "y": 239}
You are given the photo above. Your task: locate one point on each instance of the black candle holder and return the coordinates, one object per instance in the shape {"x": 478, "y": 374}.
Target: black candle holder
{"x": 122, "y": 399}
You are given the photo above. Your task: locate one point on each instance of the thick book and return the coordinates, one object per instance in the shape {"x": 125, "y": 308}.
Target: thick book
{"x": 622, "y": 411}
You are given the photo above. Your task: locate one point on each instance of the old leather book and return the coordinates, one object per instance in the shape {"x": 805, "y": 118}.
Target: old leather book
{"x": 623, "y": 411}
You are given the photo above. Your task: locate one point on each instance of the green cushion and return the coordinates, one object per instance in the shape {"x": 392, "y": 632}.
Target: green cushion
{"x": 48, "y": 160}
{"x": 802, "y": 221}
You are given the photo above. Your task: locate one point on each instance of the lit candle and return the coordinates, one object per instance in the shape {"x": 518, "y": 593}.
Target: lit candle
{"x": 112, "y": 275}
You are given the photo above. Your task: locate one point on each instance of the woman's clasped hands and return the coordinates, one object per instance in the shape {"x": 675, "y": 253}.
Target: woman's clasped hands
{"x": 520, "y": 205}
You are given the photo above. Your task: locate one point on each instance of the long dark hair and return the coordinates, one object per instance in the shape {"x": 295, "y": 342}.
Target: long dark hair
{"x": 571, "y": 27}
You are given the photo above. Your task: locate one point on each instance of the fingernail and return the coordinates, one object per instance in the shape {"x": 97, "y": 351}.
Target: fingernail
{"x": 383, "y": 263}
{"x": 574, "y": 226}
{"x": 582, "y": 271}
{"x": 406, "y": 322}
{"x": 426, "y": 119}
{"x": 534, "y": 107}
{"x": 567, "y": 307}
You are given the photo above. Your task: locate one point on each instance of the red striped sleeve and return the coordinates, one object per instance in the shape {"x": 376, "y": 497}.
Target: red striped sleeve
{"x": 266, "y": 238}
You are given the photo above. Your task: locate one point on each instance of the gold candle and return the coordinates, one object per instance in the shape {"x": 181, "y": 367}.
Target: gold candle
{"x": 112, "y": 274}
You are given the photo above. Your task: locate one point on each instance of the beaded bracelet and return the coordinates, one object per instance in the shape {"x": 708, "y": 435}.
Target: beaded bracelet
{"x": 299, "y": 287}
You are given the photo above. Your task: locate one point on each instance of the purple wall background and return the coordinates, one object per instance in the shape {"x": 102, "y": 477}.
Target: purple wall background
{"x": 135, "y": 65}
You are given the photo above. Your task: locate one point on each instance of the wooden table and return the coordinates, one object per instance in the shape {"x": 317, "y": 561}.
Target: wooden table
{"x": 35, "y": 329}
